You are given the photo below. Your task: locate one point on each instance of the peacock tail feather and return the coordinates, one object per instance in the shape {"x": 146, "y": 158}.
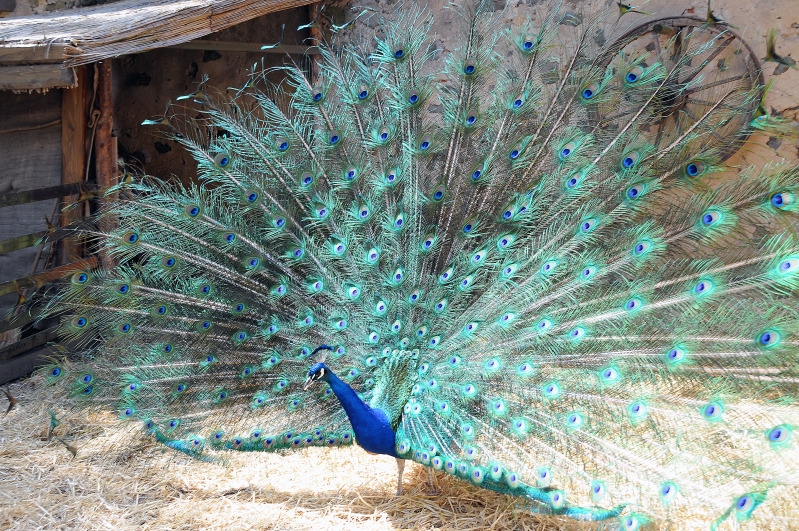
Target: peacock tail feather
{"x": 549, "y": 292}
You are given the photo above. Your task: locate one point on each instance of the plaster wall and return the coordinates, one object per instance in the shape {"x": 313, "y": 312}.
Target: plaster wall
{"x": 753, "y": 19}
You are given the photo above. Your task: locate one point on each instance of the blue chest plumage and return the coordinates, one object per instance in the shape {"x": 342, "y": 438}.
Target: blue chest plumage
{"x": 371, "y": 426}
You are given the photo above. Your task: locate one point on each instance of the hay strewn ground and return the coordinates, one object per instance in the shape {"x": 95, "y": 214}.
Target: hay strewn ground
{"x": 43, "y": 487}
{"x": 144, "y": 487}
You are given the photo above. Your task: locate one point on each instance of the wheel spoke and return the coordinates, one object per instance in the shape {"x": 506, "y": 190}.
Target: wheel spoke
{"x": 712, "y": 84}
{"x": 690, "y": 115}
{"x": 656, "y": 40}
{"x": 661, "y": 127}
{"x": 708, "y": 103}
{"x": 710, "y": 58}
{"x": 704, "y": 69}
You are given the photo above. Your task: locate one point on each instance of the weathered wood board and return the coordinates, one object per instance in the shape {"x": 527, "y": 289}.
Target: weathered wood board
{"x": 30, "y": 140}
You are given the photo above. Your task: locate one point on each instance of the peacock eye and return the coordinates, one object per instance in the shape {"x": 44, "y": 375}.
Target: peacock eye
{"x": 629, "y": 160}
{"x": 589, "y": 91}
{"x": 634, "y": 75}
{"x": 635, "y": 191}
{"x": 710, "y": 218}
{"x": 567, "y": 150}
{"x": 222, "y": 160}
{"x": 469, "y": 67}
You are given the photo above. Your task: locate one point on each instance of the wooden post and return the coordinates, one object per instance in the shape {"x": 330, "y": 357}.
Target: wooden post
{"x": 74, "y": 119}
{"x": 316, "y": 34}
{"x": 105, "y": 152}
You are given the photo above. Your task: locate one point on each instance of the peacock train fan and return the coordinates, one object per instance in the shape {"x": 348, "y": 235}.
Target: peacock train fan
{"x": 526, "y": 265}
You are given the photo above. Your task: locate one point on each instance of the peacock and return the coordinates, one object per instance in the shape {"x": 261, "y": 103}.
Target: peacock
{"x": 523, "y": 262}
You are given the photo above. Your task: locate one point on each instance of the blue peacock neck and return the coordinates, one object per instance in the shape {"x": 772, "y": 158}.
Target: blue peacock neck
{"x": 371, "y": 425}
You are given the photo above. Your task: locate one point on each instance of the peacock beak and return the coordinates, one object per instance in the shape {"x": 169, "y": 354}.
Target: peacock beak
{"x": 308, "y": 383}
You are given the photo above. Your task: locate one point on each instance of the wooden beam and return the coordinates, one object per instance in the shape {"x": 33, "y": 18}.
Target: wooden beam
{"x": 32, "y": 77}
{"x": 42, "y": 53}
{"x": 23, "y": 345}
{"x": 74, "y": 121}
{"x": 314, "y": 11}
{"x": 248, "y": 47}
{"x": 105, "y": 153}
{"x": 84, "y": 191}
{"x": 21, "y": 242}
{"x": 39, "y": 279}
{"x": 17, "y": 322}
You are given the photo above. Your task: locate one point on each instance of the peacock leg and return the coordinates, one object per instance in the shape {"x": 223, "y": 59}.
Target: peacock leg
{"x": 431, "y": 479}
{"x": 400, "y": 468}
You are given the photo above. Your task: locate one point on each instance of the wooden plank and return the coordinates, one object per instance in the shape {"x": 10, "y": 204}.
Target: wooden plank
{"x": 30, "y": 77}
{"x": 31, "y": 159}
{"x": 41, "y": 53}
{"x": 26, "y": 112}
{"x": 25, "y": 344}
{"x": 20, "y": 220}
{"x": 17, "y": 322}
{"x": 248, "y": 47}
{"x": 21, "y": 242}
{"x": 74, "y": 121}
{"x": 83, "y": 191}
{"x": 24, "y": 364}
{"x": 31, "y": 147}
{"x": 39, "y": 279}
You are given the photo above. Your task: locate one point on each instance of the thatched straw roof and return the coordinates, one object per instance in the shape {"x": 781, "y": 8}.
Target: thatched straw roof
{"x": 86, "y": 35}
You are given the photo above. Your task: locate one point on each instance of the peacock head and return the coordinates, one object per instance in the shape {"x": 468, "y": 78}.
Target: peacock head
{"x": 318, "y": 372}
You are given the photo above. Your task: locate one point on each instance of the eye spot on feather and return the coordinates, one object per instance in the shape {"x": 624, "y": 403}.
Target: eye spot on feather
{"x": 629, "y": 160}
{"x": 781, "y": 200}
{"x": 769, "y": 338}
{"x": 790, "y": 265}
{"x": 779, "y": 435}
{"x": 589, "y": 91}
{"x": 694, "y": 168}
{"x": 598, "y": 490}
{"x": 631, "y": 523}
{"x": 710, "y": 218}
{"x": 543, "y": 476}
{"x": 551, "y": 390}
{"x": 222, "y": 159}
{"x": 744, "y": 503}
{"x": 634, "y": 75}
{"x": 635, "y": 191}
{"x": 469, "y": 67}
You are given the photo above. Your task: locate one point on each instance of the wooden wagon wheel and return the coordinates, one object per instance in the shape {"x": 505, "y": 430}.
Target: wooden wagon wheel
{"x": 716, "y": 84}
